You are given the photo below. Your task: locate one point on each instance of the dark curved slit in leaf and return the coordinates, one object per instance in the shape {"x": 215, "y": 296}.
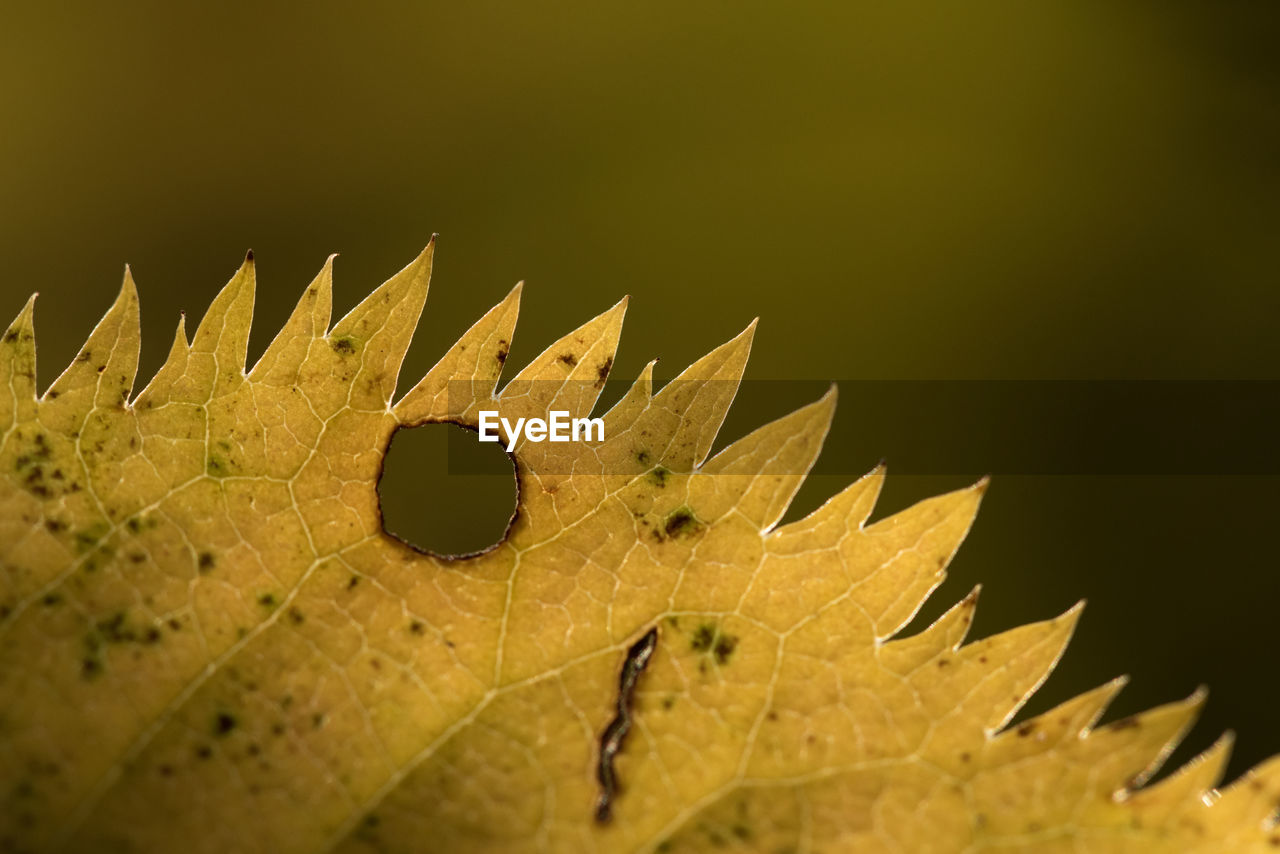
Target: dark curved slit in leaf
{"x": 611, "y": 741}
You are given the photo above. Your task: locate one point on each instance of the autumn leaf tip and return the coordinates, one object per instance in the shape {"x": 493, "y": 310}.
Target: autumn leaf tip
{"x": 24, "y": 317}
{"x": 1072, "y": 614}
{"x": 128, "y": 288}
{"x": 620, "y": 307}
{"x": 745, "y": 337}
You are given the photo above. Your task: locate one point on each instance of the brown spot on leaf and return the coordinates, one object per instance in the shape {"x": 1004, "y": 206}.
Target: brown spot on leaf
{"x": 602, "y": 371}
{"x": 703, "y": 637}
{"x": 681, "y": 523}
{"x": 224, "y": 723}
{"x": 724, "y": 647}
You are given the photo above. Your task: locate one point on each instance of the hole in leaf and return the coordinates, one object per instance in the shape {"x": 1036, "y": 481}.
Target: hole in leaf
{"x": 444, "y": 491}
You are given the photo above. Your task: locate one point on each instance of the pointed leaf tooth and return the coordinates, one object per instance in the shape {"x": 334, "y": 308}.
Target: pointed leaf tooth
{"x": 1249, "y": 805}
{"x": 157, "y": 392}
{"x": 102, "y": 373}
{"x": 1125, "y": 753}
{"x": 217, "y": 356}
{"x": 906, "y": 555}
{"x": 468, "y": 373}
{"x": 845, "y": 511}
{"x": 623, "y": 413}
{"x": 375, "y": 335}
{"x": 907, "y": 655}
{"x": 690, "y": 409}
{"x": 1164, "y": 802}
{"x": 1079, "y": 714}
{"x": 570, "y": 374}
{"x": 18, "y": 367}
{"x": 116, "y": 382}
{"x": 624, "y": 453}
{"x": 1059, "y": 728}
{"x": 283, "y": 358}
{"x": 989, "y": 680}
{"x": 758, "y": 475}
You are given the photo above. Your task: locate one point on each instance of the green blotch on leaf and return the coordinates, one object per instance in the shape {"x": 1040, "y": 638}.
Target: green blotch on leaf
{"x": 344, "y": 345}
{"x": 708, "y": 638}
{"x": 138, "y": 524}
{"x": 37, "y": 453}
{"x": 658, "y": 476}
{"x": 115, "y": 629}
{"x": 87, "y": 538}
{"x": 703, "y": 637}
{"x": 681, "y": 523}
{"x": 217, "y": 466}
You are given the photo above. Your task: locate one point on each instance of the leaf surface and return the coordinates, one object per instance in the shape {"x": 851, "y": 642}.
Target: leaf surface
{"x": 208, "y": 642}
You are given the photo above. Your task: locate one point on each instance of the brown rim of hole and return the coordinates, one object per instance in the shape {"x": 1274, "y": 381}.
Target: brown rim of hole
{"x": 417, "y": 549}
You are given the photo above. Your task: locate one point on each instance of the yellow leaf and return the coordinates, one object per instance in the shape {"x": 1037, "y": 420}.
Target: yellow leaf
{"x": 208, "y": 642}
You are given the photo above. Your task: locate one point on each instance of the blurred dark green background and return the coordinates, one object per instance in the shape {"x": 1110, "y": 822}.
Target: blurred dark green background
{"x": 1051, "y": 190}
